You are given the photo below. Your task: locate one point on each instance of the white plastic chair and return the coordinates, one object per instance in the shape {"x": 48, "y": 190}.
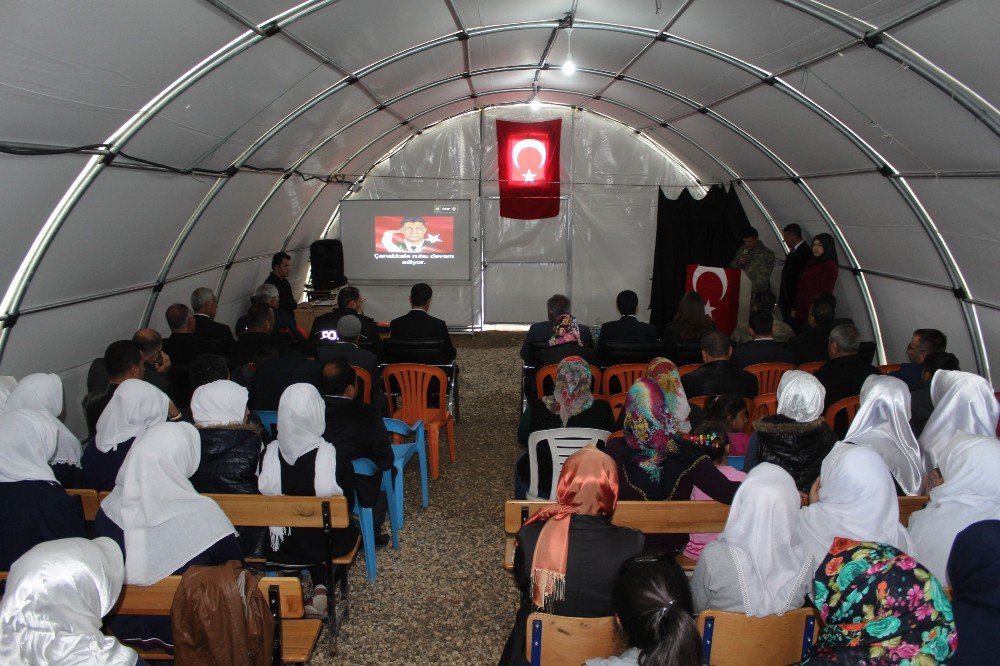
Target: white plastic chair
{"x": 562, "y": 443}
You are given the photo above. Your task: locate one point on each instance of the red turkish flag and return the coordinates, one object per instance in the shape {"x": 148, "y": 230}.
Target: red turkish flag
{"x": 529, "y": 169}
{"x": 720, "y": 287}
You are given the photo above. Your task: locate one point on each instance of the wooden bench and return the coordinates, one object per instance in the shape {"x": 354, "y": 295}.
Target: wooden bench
{"x": 294, "y": 637}
{"x": 89, "y": 500}
{"x": 657, "y": 518}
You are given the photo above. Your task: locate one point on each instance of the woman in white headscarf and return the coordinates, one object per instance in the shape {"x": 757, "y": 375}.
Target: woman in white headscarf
{"x": 855, "y": 498}
{"x": 56, "y": 595}
{"x": 161, "y": 522}
{"x": 970, "y": 493}
{"x": 135, "y": 407}
{"x": 797, "y": 438}
{"x": 883, "y": 425}
{"x": 231, "y": 450}
{"x": 33, "y": 507}
{"x": 758, "y": 566}
{"x": 44, "y": 392}
{"x": 7, "y": 384}
{"x": 962, "y": 402}
{"x": 300, "y": 462}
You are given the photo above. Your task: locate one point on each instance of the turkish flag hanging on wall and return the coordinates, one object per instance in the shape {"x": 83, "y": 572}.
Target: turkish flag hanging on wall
{"x": 529, "y": 168}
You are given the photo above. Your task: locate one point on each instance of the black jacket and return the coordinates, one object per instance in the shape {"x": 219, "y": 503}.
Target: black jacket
{"x": 356, "y": 431}
{"x": 324, "y": 329}
{"x": 214, "y": 336}
{"x": 553, "y": 355}
{"x": 920, "y": 407}
{"x": 286, "y": 300}
{"x": 795, "y": 261}
{"x": 798, "y": 448}
{"x": 274, "y": 376}
{"x": 626, "y": 329}
{"x": 245, "y": 349}
{"x": 811, "y": 344}
{"x": 762, "y": 351}
{"x": 541, "y": 332}
{"x": 230, "y": 458}
{"x": 182, "y": 348}
{"x": 842, "y": 377}
{"x": 418, "y": 325}
{"x": 720, "y": 377}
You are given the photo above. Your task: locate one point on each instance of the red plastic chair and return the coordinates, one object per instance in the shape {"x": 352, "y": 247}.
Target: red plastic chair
{"x": 763, "y": 405}
{"x": 768, "y": 375}
{"x": 684, "y": 369}
{"x": 414, "y": 383}
{"x": 549, "y": 372}
{"x": 849, "y": 406}
{"x": 811, "y": 367}
{"x": 888, "y": 367}
{"x": 617, "y": 402}
{"x": 365, "y": 379}
{"x": 625, "y": 374}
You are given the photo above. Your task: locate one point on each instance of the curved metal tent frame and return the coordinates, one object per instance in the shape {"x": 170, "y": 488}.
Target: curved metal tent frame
{"x": 859, "y": 32}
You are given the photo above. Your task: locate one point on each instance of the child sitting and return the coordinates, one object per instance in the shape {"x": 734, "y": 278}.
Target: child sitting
{"x": 713, "y": 437}
{"x": 732, "y": 411}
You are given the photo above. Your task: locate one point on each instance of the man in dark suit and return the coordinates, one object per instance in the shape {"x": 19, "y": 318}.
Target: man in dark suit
{"x": 157, "y": 362}
{"x": 628, "y": 328}
{"x": 274, "y": 376}
{"x": 811, "y": 344}
{"x": 542, "y": 331}
{"x": 281, "y": 265}
{"x": 349, "y": 302}
{"x": 418, "y": 325}
{"x": 346, "y": 347}
{"x": 763, "y": 349}
{"x": 925, "y": 341}
{"x": 356, "y": 431}
{"x": 181, "y": 345}
{"x": 259, "y": 333}
{"x": 798, "y": 256}
{"x": 718, "y": 374}
{"x": 213, "y": 336}
{"x": 845, "y": 372}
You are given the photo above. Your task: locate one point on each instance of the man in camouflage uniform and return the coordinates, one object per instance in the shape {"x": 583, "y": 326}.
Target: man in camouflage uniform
{"x": 756, "y": 261}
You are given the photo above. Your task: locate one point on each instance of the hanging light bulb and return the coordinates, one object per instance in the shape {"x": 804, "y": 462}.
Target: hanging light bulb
{"x": 569, "y": 67}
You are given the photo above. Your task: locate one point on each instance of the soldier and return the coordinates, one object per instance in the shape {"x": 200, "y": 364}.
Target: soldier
{"x": 756, "y": 261}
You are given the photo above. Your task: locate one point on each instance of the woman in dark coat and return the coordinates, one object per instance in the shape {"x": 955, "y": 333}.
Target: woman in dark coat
{"x": 33, "y": 506}
{"x": 571, "y": 405}
{"x": 231, "y": 449}
{"x": 568, "y": 554}
{"x": 818, "y": 277}
{"x": 657, "y": 462}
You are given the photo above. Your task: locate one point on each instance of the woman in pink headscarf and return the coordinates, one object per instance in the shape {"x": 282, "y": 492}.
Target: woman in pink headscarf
{"x": 565, "y": 341}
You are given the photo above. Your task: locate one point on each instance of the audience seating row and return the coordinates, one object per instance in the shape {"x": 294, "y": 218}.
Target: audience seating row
{"x": 657, "y": 517}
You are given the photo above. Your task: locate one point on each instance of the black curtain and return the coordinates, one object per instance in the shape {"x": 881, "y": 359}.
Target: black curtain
{"x": 689, "y": 231}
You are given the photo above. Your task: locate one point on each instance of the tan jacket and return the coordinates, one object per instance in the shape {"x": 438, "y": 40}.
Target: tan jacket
{"x": 220, "y": 618}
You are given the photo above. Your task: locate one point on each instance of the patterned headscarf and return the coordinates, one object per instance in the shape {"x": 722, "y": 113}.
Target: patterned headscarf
{"x": 663, "y": 371}
{"x": 880, "y": 606}
{"x": 588, "y": 486}
{"x": 564, "y": 329}
{"x": 572, "y": 394}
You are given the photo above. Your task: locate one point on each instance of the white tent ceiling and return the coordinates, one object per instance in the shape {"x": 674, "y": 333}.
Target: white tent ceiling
{"x": 874, "y": 120}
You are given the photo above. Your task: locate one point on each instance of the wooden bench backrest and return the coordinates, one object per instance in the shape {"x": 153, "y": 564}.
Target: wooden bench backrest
{"x": 573, "y": 640}
{"x": 156, "y": 599}
{"x": 775, "y": 640}
{"x": 658, "y": 517}
{"x": 279, "y": 510}
{"x": 89, "y": 500}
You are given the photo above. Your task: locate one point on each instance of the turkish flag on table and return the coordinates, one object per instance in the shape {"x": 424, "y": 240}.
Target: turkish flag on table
{"x": 723, "y": 291}
{"x": 529, "y": 168}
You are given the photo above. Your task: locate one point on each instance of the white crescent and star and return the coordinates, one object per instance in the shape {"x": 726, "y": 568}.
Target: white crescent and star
{"x": 525, "y": 144}
{"x": 717, "y": 272}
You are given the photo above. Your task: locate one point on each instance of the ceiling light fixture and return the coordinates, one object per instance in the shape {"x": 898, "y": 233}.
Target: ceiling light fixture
{"x": 569, "y": 67}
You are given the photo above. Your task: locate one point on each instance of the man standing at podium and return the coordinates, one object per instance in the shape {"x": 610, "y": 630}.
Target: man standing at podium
{"x": 754, "y": 259}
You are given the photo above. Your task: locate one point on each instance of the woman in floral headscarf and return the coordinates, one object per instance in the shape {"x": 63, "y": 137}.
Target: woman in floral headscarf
{"x": 664, "y": 372}
{"x": 657, "y": 462}
{"x": 880, "y": 606}
{"x": 565, "y": 341}
{"x": 571, "y": 405}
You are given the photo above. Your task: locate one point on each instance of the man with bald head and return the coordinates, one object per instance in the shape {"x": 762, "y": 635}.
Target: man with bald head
{"x": 155, "y": 360}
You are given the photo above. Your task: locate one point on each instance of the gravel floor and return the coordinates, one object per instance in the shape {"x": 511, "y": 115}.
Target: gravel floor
{"x": 444, "y": 598}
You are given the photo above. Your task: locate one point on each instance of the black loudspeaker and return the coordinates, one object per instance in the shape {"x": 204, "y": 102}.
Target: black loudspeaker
{"x": 327, "y": 259}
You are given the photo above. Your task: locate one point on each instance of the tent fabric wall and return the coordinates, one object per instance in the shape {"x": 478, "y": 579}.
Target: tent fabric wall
{"x": 875, "y": 121}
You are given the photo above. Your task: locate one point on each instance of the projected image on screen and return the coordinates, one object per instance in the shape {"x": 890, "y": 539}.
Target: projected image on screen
{"x": 406, "y": 240}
